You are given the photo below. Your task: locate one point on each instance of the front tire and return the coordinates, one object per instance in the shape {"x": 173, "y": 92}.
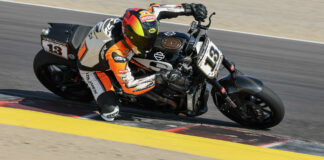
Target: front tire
{"x": 261, "y": 110}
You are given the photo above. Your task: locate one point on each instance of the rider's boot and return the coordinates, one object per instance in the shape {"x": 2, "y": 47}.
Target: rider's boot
{"x": 108, "y": 106}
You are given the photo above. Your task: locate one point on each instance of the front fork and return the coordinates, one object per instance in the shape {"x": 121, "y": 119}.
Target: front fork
{"x": 231, "y": 68}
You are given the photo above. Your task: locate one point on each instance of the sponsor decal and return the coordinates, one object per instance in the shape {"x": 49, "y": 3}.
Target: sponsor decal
{"x": 93, "y": 88}
{"x": 117, "y": 58}
{"x": 152, "y": 30}
{"x": 87, "y": 77}
{"x": 91, "y": 85}
{"x": 159, "y": 56}
{"x": 232, "y": 68}
{"x": 223, "y": 90}
{"x": 123, "y": 71}
{"x": 147, "y": 16}
{"x": 124, "y": 78}
{"x": 141, "y": 88}
{"x": 112, "y": 114}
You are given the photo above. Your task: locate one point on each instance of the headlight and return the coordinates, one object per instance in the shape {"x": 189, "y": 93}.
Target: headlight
{"x": 45, "y": 31}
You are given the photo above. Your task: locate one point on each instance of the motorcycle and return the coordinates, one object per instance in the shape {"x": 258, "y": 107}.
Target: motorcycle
{"x": 240, "y": 97}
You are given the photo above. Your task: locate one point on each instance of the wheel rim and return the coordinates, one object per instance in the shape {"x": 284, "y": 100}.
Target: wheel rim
{"x": 251, "y": 109}
{"x": 259, "y": 108}
{"x": 66, "y": 80}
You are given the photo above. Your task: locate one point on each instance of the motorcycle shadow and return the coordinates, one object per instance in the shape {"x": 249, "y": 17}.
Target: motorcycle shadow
{"x": 49, "y": 103}
{"x": 44, "y": 102}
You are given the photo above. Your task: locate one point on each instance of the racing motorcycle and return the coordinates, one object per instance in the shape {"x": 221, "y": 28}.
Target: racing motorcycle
{"x": 240, "y": 97}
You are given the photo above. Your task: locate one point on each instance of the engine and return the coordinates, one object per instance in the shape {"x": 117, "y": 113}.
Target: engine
{"x": 168, "y": 53}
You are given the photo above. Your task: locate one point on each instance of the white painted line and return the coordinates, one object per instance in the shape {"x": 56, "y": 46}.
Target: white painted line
{"x": 90, "y": 116}
{"x": 270, "y": 145}
{"x": 62, "y": 8}
{"x": 217, "y": 29}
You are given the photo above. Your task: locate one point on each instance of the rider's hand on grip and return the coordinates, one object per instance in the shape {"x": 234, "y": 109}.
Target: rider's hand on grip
{"x": 199, "y": 11}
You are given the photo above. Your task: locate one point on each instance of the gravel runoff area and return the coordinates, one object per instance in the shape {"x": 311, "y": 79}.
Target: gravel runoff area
{"x": 298, "y": 19}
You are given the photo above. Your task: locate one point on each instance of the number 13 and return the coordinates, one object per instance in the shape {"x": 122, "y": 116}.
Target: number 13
{"x": 212, "y": 58}
{"x": 55, "y": 49}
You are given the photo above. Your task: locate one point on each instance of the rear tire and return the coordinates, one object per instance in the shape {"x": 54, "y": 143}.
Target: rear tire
{"x": 44, "y": 60}
{"x": 273, "y": 115}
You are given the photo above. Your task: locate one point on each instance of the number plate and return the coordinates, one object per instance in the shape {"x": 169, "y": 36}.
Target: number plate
{"x": 59, "y": 49}
{"x": 210, "y": 59}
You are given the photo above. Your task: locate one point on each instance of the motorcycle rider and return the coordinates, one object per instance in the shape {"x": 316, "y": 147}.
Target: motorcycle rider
{"x": 104, "y": 55}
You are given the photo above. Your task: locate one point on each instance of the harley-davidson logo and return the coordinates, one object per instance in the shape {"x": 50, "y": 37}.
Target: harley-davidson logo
{"x": 159, "y": 56}
{"x": 169, "y": 33}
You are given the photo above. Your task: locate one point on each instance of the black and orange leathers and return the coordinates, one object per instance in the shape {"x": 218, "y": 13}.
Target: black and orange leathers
{"x": 105, "y": 49}
{"x": 118, "y": 62}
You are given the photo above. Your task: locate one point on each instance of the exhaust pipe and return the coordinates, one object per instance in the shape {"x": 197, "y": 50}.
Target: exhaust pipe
{"x": 155, "y": 97}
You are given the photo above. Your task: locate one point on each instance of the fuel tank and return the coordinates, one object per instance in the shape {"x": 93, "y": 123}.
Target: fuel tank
{"x": 168, "y": 50}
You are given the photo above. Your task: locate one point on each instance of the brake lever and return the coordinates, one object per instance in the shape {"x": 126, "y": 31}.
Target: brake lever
{"x": 208, "y": 25}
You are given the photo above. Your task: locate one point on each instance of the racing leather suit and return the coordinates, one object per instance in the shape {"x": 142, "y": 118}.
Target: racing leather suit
{"x": 104, "y": 56}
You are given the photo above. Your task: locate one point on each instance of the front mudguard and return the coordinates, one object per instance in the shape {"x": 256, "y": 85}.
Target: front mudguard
{"x": 241, "y": 83}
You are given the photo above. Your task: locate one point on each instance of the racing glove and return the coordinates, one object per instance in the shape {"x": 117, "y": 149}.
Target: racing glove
{"x": 199, "y": 11}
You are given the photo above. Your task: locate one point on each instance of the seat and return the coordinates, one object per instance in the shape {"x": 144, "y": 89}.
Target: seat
{"x": 79, "y": 32}
{"x": 73, "y": 34}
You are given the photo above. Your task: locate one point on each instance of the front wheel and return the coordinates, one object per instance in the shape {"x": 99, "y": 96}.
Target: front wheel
{"x": 261, "y": 110}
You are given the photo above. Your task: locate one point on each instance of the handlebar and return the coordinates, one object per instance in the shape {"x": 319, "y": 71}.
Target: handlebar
{"x": 208, "y": 25}
{"x": 195, "y": 31}
{"x": 194, "y": 26}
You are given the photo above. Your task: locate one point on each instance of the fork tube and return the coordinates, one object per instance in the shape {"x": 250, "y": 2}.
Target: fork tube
{"x": 228, "y": 65}
{"x": 223, "y": 92}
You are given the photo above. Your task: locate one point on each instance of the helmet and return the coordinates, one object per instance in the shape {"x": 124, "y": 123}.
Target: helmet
{"x": 140, "y": 29}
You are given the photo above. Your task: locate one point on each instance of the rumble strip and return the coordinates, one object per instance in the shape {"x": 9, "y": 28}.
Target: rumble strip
{"x": 144, "y": 137}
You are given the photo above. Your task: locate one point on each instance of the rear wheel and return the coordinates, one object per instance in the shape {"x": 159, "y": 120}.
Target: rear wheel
{"x": 61, "y": 77}
{"x": 262, "y": 110}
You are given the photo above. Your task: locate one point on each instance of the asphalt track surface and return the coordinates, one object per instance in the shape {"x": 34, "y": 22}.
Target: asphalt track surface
{"x": 293, "y": 69}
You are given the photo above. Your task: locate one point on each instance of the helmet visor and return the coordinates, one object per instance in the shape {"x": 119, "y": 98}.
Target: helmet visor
{"x": 143, "y": 44}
